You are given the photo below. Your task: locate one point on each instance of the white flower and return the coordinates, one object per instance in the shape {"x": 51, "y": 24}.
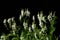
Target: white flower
{"x": 22, "y": 12}
{"x": 50, "y": 16}
{"x": 13, "y": 32}
{"x": 33, "y": 26}
{"x": 3, "y": 37}
{"x": 41, "y": 24}
{"x": 20, "y": 17}
{"x": 33, "y": 18}
{"x": 29, "y": 29}
{"x": 41, "y": 15}
{"x": 40, "y": 18}
{"x": 25, "y": 25}
{"x": 38, "y": 15}
{"x": 44, "y": 19}
{"x": 21, "y": 38}
{"x": 47, "y": 38}
{"x": 14, "y": 26}
{"x": 27, "y": 13}
{"x": 9, "y": 20}
{"x": 35, "y": 35}
{"x": 4, "y": 21}
{"x": 12, "y": 19}
{"x": 40, "y": 32}
{"x": 42, "y": 29}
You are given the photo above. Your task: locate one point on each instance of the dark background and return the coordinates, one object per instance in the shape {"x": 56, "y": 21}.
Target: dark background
{"x": 13, "y": 8}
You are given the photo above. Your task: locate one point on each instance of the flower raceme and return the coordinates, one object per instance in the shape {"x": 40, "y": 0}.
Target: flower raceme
{"x": 25, "y": 32}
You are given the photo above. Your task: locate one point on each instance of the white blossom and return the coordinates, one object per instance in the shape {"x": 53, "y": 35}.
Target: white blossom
{"x": 42, "y": 29}
{"x": 14, "y": 26}
{"x": 41, "y": 24}
{"x": 33, "y": 26}
{"x": 44, "y": 19}
{"x": 27, "y": 13}
{"x": 25, "y": 25}
{"x": 4, "y": 21}
{"x": 9, "y": 20}
{"x": 21, "y": 38}
{"x": 38, "y": 15}
{"x": 3, "y": 37}
{"x": 35, "y": 35}
{"x": 33, "y": 17}
{"x": 29, "y": 29}
{"x": 40, "y": 18}
{"x": 13, "y": 32}
{"x": 22, "y": 12}
{"x": 50, "y": 16}
{"x": 40, "y": 32}
{"x": 47, "y": 38}
{"x": 20, "y": 17}
{"x": 41, "y": 15}
{"x": 12, "y": 19}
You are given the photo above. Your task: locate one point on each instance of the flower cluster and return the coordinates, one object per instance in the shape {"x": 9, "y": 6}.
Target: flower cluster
{"x": 28, "y": 31}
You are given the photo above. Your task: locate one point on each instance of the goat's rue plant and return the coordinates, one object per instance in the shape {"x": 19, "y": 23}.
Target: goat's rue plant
{"x": 27, "y": 31}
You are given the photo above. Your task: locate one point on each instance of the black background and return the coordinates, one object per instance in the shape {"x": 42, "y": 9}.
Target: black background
{"x": 13, "y": 8}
